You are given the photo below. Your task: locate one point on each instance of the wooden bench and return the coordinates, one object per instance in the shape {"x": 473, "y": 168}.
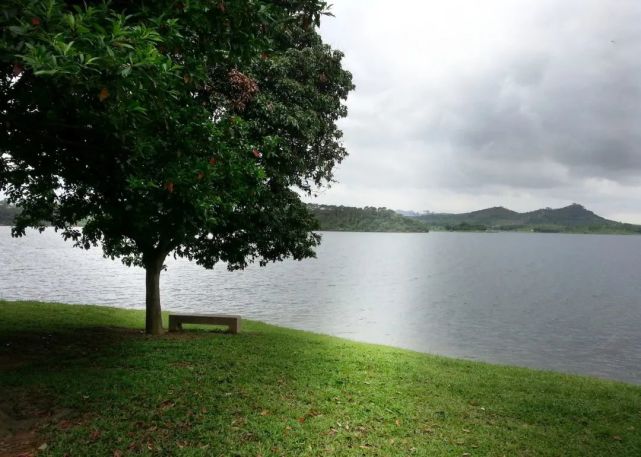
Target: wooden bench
{"x": 177, "y": 320}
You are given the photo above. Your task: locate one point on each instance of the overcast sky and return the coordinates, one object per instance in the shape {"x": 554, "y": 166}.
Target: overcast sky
{"x": 463, "y": 104}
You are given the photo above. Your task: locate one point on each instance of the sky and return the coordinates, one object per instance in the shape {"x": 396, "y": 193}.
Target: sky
{"x": 462, "y": 105}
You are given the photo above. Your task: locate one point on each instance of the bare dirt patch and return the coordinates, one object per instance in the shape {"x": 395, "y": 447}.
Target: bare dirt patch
{"x": 24, "y": 415}
{"x": 22, "y": 418}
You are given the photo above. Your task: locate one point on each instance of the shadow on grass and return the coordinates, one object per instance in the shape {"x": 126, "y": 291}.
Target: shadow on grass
{"x": 26, "y": 406}
{"x": 83, "y": 389}
{"x": 64, "y": 383}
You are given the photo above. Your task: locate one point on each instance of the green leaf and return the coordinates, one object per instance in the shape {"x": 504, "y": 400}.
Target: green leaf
{"x": 45, "y": 72}
{"x": 17, "y": 29}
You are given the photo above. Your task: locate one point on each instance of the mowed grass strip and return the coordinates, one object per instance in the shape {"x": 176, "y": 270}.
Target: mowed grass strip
{"x": 101, "y": 387}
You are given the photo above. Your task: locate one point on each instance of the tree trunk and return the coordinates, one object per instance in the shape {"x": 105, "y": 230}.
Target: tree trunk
{"x": 153, "y": 317}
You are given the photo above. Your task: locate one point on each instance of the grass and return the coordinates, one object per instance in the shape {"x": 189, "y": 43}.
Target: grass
{"x": 98, "y": 386}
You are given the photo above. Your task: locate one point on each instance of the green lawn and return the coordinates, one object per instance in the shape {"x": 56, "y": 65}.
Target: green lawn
{"x": 92, "y": 383}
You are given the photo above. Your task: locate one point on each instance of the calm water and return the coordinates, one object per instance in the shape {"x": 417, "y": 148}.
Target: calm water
{"x": 564, "y": 302}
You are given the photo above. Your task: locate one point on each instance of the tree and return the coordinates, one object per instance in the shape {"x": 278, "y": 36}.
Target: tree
{"x": 166, "y": 127}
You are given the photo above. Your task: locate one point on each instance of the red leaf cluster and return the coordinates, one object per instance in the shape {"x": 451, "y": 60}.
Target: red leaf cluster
{"x": 244, "y": 89}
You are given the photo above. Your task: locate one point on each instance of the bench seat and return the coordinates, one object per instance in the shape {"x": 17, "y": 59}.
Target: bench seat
{"x": 232, "y": 321}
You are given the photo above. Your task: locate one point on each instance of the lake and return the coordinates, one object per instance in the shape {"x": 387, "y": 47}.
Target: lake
{"x": 569, "y": 303}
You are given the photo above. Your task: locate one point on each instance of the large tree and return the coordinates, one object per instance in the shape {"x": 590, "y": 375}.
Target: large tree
{"x": 187, "y": 127}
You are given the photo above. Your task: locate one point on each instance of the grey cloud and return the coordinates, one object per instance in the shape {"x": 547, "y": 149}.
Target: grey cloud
{"x": 547, "y": 110}
{"x": 571, "y": 112}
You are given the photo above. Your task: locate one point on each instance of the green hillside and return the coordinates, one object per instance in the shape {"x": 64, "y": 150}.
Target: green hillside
{"x": 486, "y": 217}
{"x": 571, "y": 219}
{"x": 571, "y": 216}
{"x": 368, "y": 219}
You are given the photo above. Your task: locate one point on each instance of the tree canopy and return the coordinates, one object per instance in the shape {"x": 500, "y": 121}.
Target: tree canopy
{"x": 188, "y": 127}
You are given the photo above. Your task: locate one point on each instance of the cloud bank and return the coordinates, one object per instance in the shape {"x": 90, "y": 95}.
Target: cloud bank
{"x": 461, "y": 105}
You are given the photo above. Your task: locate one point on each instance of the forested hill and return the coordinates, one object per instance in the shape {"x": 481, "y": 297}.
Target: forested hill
{"x": 368, "y": 219}
{"x": 572, "y": 219}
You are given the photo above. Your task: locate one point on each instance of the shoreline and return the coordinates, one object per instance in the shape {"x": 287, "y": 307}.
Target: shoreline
{"x": 451, "y": 356}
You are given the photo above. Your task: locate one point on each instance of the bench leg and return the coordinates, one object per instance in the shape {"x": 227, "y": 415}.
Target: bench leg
{"x": 175, "y": 325}
{"x": 234, "y": 327}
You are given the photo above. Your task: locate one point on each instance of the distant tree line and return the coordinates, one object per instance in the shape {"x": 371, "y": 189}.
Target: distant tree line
{"x": 367, "y": 219}
{"x": 465, "y": 227}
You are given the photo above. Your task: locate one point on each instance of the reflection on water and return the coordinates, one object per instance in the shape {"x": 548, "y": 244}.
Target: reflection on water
{"x": 562, "y": 302}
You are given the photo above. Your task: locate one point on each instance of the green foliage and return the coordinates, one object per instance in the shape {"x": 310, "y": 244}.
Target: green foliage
{"x": 168, "y": 126}
{"x": 368, "y": 219}
{"x": 272, "y": 391}
{"x": 465, "y": 227}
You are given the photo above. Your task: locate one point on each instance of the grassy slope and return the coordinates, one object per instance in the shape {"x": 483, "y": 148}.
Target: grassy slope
{"x": 274, "y": 391}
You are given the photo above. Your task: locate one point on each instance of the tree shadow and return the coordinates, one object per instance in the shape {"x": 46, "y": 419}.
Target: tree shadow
{"x": 115, "y": 390}
{"x": 27, "y": 406}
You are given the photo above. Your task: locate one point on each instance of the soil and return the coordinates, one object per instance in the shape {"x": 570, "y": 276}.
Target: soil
{"x": 20, "y": 423}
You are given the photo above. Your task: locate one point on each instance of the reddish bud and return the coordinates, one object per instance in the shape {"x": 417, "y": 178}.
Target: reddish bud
{"x": 200, "y": 175}
{"x": 17, "y": 69}
{"x": 221, "y": 7}
{"x": 257, "y": 153}
{"x": 104, "y": 94}
{"x": 212, "y": 161}
{"x": 35, "y": 21}
{"x": 169, "y": 186}
{"x": 264, "y": 56}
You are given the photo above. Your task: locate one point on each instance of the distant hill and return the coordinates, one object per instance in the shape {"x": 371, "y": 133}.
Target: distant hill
{"x": 368, "y": 219}
{"x": 572, "y": 219}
